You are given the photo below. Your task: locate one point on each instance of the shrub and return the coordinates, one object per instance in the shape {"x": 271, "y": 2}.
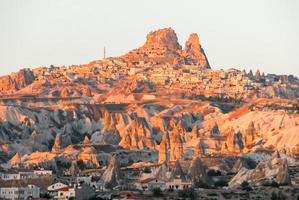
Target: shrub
{"x": 245, "y": 186}
{"x": 221, "y": 183}
{"x": 157, "y": 192}
{"x": 213, "y": 172}
{"x": 278, "y": 196}
{"x": 109, "y": 186}
{"x": 200, "y": 184}
{"x": 271, "y": 184}
{"x": 187, "y": 193}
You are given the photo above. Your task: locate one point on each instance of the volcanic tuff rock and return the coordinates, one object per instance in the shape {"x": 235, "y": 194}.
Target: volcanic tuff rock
{"x": 177, "y": 171}
{"x": 15, "y": 160}
{"x": 112, "y": 174}
{"x": 16, "y": 81}
{"x": 56, "y": 149}
{"x": 273, "y": 169}
{"x": 197, "y": 171}
{"x": 162, "y": 46}
{"x": 194, "y": 54}
{"x": 162, "y": 38}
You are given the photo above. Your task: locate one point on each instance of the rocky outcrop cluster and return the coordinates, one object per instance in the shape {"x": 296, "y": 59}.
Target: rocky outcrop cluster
{"x": 267, "y": 171}
{"x": 197, "y": 171}
{"x": 162, "y": 46}
{"x": 16, "y": 81}
{"x": 112, "y": 175}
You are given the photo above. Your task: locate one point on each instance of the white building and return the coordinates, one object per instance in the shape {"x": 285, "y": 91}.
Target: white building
{"x": 150, "y": 184}
{"x": 14, "y": 193}
{"x": 42, "y": 172}
{"x": 178, "y": 184}
{"x": 76, "y": 192}
{"x": 66, "y": 193}
{"x": 18, "y": 175}
{"x": 54, "y": 188}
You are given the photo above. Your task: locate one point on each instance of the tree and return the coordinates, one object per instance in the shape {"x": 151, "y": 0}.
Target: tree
{"x": 245, "y": 186}
{"x": 109, "y": 186}
{"x": 221, "y": 183}
{"x": 187, "y": 193}
{"x": 157, "y": 192}
{"x": 278, "y": 196}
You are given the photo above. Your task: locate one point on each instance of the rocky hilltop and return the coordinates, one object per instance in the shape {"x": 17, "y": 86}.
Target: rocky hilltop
{"x": 162, "y": 46}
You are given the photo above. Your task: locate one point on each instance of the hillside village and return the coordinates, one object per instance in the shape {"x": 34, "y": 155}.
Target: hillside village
{"x": 157, "y": 122}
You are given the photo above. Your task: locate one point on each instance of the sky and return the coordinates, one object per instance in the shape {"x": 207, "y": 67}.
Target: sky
{"x": 244, "y": 34}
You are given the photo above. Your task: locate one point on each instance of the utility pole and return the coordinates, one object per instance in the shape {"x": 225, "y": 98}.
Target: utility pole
{"x": 104, "y": 52}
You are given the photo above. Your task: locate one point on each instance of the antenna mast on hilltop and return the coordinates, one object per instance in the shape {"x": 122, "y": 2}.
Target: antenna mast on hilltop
{"x": 104, "y": 52}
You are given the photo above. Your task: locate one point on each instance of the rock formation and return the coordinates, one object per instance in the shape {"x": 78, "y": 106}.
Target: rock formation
{"x": 194, "y": 54}
{"x": 176, "y": 146}
{"x": 197, "y": 171}
{"x": 177, "y": 171}
{"x": 16, "y": 81}
{"x": 162, "y": 38}
{"x": 88, "y": 153}
{"x": 15, "y": 160}
{"x": 163, "y": 171}
{"x": 56, "y": 148}
{"x": 274, "y": 169}
{"x": 250, "y": 134}
{"x": 112, "y": 174}
{"x": 164, "y": 148}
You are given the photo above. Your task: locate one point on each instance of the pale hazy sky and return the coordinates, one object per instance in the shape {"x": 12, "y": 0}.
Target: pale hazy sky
{"x": 234, "y": 33}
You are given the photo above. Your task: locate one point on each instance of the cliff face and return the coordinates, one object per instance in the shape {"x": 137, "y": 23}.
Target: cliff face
{"x": 194, "y": 53}
{"x": 162, "y": 46}
{"x": 16, "y": 81}
{"x": 274, "y": 169}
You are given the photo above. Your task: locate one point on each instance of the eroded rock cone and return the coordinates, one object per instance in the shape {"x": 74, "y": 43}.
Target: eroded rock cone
{"x": 274, "y": 169}
{"x": 177, "y": 171}
{"x": 56, "y": 148}
{"x": 251, "y": 134}
{"x": 197, "y": 171}
{"x": 86, "y": 141}
{"x": 283, "y": 176}
{"x": 194, "y": 53}
{"x": 239, "y": 164}
{"x": 164, "y": 148}
{"x": 176, "y": 146}
{"x": 162, "y": 171}
{"x": 112, "y": 174}
{"x": 15, "y": 160}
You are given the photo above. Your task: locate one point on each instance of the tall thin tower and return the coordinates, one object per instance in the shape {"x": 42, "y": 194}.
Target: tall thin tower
{"x": 104, "y": 52}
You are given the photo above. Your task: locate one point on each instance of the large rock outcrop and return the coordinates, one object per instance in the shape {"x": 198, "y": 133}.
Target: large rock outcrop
{"x": 16, "y": 81}
{"x": 112, "y": 174}
{"x": 273, "y": 169}
{"x": 194, "y": 54}
{"x": 197, "y": 171}
{"x": 162, "y": 46}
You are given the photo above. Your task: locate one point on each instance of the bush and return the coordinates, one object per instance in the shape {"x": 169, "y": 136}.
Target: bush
{"x": 213, "y": 172}
{"x": 157, "y": 192}
{"x": 187, "y": 193}
{"x": 245, "y": 186}
{"x": 109, "y": 186}
{"x": 273, "y": 184}
{"x": 221, "y": 183}
{"x": 200, "y": 184}
{"x": 278, "y": 196}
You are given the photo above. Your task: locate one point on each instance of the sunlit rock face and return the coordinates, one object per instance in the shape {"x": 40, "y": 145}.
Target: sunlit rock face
{"x": 16, "y": 81}
{"x": 273, "y": 169}
{"x": 194, "y": 54}
{"x": 112, "y": 174}
{"x": 197, "y": 171}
